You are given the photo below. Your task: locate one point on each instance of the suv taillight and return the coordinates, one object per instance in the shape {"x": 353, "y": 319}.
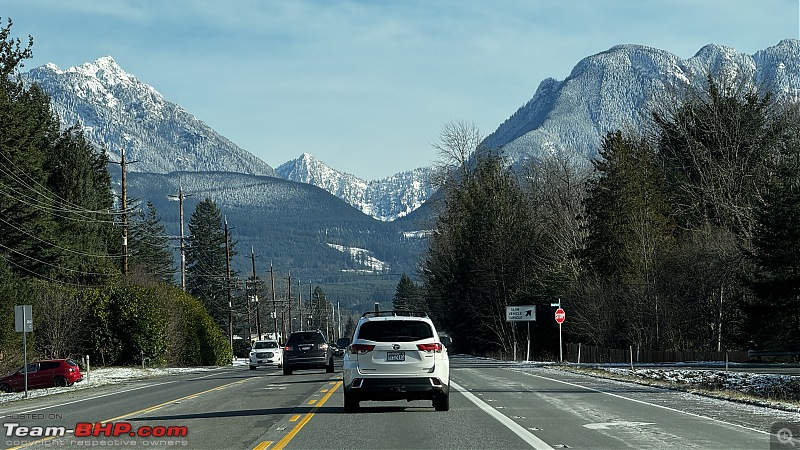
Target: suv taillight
{"x": 435, "y": 347}
{"x": 288, "y": 348}
{"x": 360, "y": 349}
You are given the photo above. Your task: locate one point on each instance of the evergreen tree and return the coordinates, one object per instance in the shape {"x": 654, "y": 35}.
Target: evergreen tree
{"x": 149, "y": 246}
{"x": 776, "y": 255}
{"x": 84, "y": 219}
{"x": 626, "y": 212}
{"x": 27, "y": 130}
{"x": 206, "y": 260}
{"x": 484, "y": 254}
{"x": 628, "y": 228}
{"x": 407, "y": 295}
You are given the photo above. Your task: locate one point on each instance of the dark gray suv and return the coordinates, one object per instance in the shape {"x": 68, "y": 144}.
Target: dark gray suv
{"x": 307, "y": 350}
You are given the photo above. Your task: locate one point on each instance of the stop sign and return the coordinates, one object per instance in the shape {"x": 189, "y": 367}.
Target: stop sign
{"x": 560, "y": 315}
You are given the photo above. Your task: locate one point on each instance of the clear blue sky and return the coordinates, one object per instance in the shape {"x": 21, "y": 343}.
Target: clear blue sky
{"x": 366, "y": 86}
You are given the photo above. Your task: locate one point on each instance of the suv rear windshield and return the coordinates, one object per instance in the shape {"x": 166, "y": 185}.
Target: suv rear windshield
{"x": 305, "y": 338}
{"x": 395, "y": 331}
{"x": 259, "y": 345}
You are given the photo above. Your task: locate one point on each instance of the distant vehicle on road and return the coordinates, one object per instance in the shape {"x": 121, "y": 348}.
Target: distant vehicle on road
{"x": 307, "y": 350}
{"x": 337, "y": 351}
{"x": 43, "y": 374}
{"x": 266, "y": 353}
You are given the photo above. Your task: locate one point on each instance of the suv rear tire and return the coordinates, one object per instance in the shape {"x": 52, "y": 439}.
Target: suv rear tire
{"x": 350, "y": 403}
{"x": 287, "y": 370}
{"x": 441, "y": 402}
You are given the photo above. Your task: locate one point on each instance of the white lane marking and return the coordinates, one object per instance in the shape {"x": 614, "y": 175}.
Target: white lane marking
{"x": 516, "y": 428}
{"x": 650, "y": 404}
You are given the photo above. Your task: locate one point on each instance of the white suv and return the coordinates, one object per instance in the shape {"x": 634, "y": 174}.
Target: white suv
{"x": 266, "y": 353}
{"x": 395, "y": 355}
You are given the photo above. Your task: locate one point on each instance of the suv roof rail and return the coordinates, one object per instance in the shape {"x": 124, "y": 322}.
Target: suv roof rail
{"x": 395, "y": 312}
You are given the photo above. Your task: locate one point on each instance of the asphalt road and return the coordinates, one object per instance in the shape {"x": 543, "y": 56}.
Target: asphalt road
{"x": 492, "y": 406}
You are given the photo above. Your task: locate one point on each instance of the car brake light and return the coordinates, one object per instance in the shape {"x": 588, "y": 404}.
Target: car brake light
{"x": 435, "y": 347}
{"x": 288, "y": 348}
{"x": 360, "y": 349}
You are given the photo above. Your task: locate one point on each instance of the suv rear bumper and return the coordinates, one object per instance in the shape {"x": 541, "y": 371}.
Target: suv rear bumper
{"x": 412, "y": 388}
{"x": 307, "y": 363}
{"x": 263, "y": 362}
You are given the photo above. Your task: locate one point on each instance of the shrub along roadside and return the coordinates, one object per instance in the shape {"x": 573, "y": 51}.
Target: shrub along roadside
{"x": 158, "y": 322}
{"x": 116, "y": 325}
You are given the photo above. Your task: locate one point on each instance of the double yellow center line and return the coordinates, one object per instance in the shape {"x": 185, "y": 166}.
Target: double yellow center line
{"x": 291, "y": 434}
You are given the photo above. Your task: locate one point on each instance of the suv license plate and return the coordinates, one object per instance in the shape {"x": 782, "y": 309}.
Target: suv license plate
{"x": 395, "y": 356}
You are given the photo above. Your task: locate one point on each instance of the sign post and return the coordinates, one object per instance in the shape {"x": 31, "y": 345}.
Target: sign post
{"x": 23, "y": 323}
{"x": 560, "y": 315}
{"x": 524, "y": 313}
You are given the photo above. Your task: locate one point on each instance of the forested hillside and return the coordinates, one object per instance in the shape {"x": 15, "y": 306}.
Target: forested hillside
{"x": 679, "y": 236}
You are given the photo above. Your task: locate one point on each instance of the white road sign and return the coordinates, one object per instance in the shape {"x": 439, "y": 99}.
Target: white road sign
{"x": 520, "y": 313}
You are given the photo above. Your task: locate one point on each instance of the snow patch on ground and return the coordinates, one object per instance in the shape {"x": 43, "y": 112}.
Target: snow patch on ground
{"x": 105, "y": 376}
{"x": 770, "y": 390}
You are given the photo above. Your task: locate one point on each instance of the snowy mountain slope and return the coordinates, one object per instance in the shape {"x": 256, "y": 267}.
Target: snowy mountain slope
{"x": 299, "y": 226}
{"x": 386, "y": 199}
{"x": 618, "y": 88}
{"x": 115, "y": 110}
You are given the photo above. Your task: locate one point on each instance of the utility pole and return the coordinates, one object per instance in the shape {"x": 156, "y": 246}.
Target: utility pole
{"x": 289, "y": 301}
{"x": 274, "y": 308}
{"x": 300, "y": 305}
{"x": 180, "y": 197}
{"x": 124, "y": 204}
{"x": 124, "y": 209}
{"x": 255, "y": 293}
{"x": 228, "y": 282}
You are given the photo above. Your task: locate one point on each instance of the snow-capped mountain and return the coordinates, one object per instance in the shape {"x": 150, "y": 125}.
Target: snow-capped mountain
{"x": 618, "y": 88}
{"x": 118, "y": 111}
{"x": 386, "y": 199}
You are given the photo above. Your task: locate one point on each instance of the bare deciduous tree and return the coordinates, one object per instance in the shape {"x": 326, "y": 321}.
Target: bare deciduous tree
{"x": 457, "y": 144}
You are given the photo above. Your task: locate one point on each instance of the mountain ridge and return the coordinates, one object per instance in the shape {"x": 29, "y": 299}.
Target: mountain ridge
{"x": 116, "y": 110}
{"x": 617, "y": 89}
{"x": 386, "y": 199}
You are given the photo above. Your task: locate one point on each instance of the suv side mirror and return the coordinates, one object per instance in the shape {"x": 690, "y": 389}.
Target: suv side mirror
{"x": 447, "y": 341}
{"x": 342, "y": 342}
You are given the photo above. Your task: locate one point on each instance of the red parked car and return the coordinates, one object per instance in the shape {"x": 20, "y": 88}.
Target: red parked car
{"x": 43, "y": 374}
